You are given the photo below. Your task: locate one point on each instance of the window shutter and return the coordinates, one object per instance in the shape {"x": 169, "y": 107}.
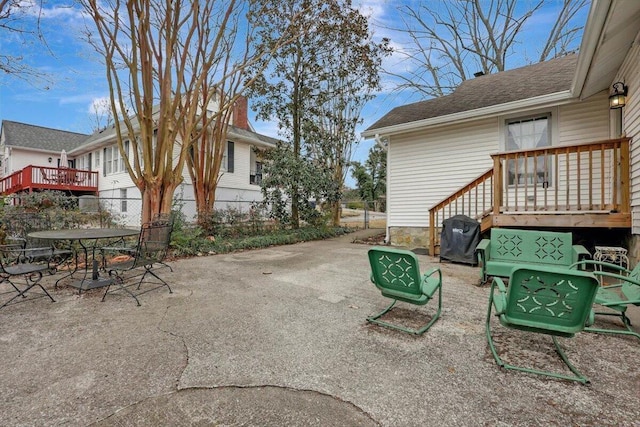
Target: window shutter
{"x": 104, "y": 163}
{"x": 230, "y": 156}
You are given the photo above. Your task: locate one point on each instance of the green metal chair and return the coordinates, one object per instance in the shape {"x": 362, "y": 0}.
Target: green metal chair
{"x": 546, "y": 300}
{"x": 615, "y": 298}
{"x": 397, "y": 274}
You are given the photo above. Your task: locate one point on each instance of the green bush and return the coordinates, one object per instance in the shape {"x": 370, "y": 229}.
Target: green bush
{"x": 355, "y": 205}
{"x": 194, "y": 242}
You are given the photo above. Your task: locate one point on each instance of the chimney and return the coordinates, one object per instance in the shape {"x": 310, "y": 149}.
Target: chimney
{"x": 478, "y": 74}
{"x": 240, "y": 118}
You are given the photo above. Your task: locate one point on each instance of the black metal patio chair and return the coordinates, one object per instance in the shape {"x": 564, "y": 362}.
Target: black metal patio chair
{"x": 151, "y": 250}
{"x": 15, "y": 261}
{"x": 56, "y": 254}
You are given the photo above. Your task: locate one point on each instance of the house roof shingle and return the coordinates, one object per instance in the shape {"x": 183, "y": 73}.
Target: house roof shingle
{"x": 40, "y": 138}
{"x": 527, "y": 82}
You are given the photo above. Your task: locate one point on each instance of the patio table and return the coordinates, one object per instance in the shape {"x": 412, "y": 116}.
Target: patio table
{"x": 84, "y": 235}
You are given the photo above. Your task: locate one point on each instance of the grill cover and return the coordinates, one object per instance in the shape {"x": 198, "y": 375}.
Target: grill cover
{"x": 459, "y": 238}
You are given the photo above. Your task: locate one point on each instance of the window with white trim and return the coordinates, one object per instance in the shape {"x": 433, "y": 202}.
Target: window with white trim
{"x": 528, "y": 134}
{"x": 113, "y": 161}
{"x": 123, "y": 200}
{"x": 228, "y": 158}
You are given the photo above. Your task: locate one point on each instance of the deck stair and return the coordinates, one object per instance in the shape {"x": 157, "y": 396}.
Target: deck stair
{"x": 573, "y": 186}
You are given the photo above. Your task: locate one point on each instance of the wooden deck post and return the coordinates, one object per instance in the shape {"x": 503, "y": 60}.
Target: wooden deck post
{"x": 625, "y": 177}
{"x": 432, "y": 233}
{"x": 497, "y": 184}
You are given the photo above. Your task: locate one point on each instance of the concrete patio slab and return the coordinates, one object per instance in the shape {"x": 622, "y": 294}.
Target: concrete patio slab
{"x": 278, "y": 337}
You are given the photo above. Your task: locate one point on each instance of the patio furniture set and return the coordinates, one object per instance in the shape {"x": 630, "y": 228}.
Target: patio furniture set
{"x": 34, "y": 249}
{"x": 541, "y": 283}
{"x": 62, "y": 177}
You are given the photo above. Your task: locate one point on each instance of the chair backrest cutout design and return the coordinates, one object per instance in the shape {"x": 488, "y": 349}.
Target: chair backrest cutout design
{"x": 544, "y": 246}
{"x": 556, "y": 298}
{"x": 397, "y": 270}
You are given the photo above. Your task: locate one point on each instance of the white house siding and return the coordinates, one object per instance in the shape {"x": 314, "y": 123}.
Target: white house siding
{"x": 585, "y": 121}
{"x": 19, "y": 159}
{"x": 234, "y": 189}
{"x": 576, "y": 123}
{"x": 629, "y": 74}
{"x": 426, "y": 167}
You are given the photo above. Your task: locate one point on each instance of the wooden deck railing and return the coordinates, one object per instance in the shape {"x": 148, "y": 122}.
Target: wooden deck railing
{"x": 473, "y": 200}
{"x": 583, "y": 178}
{"x": 47, "y": 178}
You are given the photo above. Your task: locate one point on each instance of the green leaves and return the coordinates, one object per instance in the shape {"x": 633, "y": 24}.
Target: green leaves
{"x": 316, "y": 89}
{"x": 371, "y": 177}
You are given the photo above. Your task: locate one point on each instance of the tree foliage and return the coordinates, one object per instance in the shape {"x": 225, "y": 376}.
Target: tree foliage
{"x": 316, "y": 90}
{"x": 371, "y": 178}
{"x": 452, "y": 40}
{"x": 285, "y": 174}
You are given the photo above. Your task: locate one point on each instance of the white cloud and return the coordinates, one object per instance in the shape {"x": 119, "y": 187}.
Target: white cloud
{"x": 100, "y": 106}
{"x": 35, "y": 9}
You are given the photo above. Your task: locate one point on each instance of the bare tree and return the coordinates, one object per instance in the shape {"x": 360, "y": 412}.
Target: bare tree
{"x": 20, "y": 21}
{"x": 452, "y": 40}
{"x": 225, "y": 79}
{"x": 163, "y": 69}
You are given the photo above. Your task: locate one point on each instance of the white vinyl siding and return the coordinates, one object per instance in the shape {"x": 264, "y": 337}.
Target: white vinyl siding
{"x": 585, "y": 121}
{"x": 424, "y": 168}
{"x": 239, "y": 179}
{"x": 575, "y": 123}
{"x": 628, "y": 74}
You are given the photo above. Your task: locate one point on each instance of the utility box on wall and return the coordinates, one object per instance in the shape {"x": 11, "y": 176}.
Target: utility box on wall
{"x": 459, "y": 238}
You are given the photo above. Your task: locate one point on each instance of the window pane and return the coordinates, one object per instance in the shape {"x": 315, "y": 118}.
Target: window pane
{"x": 528, "y": 134}
{"x": 123, "y": 199}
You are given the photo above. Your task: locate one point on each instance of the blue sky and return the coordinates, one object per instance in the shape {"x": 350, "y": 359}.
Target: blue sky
{"x": 65, "y": 100}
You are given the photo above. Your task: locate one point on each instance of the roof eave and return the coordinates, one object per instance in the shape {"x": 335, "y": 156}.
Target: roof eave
{"x": 556, "y": 98}
{"x": 590, "y": 41}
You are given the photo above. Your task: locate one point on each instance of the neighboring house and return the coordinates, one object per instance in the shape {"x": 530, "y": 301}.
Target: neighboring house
{"x": 537, "y": 146}
{"x": 31, "y": 156}
{"x": 22, "y": 145}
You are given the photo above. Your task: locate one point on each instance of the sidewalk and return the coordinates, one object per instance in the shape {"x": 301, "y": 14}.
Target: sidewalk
{"x": 278, "y": 337}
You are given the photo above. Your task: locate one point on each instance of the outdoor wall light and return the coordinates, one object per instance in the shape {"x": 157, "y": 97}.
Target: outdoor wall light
{"x": 50, "y": 159}
{"x": 619, "y": 97}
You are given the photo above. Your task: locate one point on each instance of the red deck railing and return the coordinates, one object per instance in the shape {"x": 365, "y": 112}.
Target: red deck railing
{"x": 46, "y": 178}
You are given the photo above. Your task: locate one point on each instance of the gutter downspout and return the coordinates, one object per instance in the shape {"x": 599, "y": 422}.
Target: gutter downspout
{"x": 385, "y": 147}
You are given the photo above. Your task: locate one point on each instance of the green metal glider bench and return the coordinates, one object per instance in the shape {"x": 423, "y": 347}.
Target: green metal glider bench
{"x": 508, "y": 247}
{"x": 396, "y": 273}
{"x": 546, "y": 300}
{"x": 615, "y": 297}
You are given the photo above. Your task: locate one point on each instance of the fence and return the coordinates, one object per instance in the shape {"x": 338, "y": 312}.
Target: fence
{"x": 358, "y": 213}
{"x": 122, "y": 211}
{"x": 128, "y": 211}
